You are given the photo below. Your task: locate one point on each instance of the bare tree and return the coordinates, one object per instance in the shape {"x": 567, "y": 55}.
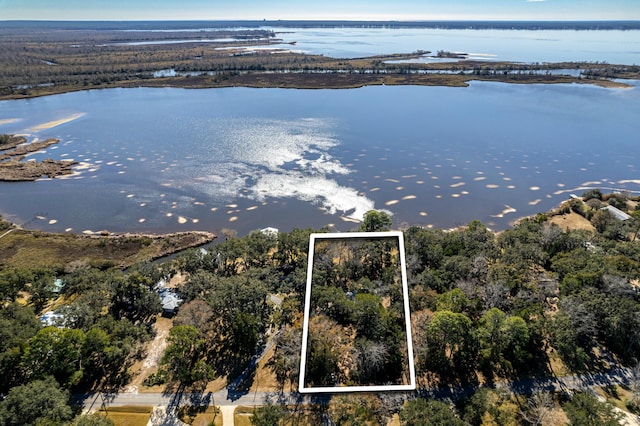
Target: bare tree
{"x": 286, "y": 360}
{"x": 196, "y": 313}
{"x": 371, "y": 357}
{"x": 539, "y": 409}
{"x": 496, "y": 295}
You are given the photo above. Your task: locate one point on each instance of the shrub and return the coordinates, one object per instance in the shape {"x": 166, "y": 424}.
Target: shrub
{"x": 159, "y": 378}
{"x": 592, "y": 194}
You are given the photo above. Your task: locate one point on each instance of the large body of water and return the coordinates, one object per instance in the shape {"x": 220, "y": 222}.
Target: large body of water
{"x": 612, "y": 46}
{"x": 162, "y": 160}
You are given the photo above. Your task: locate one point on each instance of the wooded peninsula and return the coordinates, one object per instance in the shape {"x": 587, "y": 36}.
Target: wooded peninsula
{"x": 52, "y": 58}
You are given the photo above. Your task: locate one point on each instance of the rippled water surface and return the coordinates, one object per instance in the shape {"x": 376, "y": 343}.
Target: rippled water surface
{"x": 174, "y": 159}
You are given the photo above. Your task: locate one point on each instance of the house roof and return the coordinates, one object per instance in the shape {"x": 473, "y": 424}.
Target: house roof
{"x": 270, "y": 231}
{"x": 51, "y": 318}
{"x": 170, "y": 301}
{"x": 617, "y": 213}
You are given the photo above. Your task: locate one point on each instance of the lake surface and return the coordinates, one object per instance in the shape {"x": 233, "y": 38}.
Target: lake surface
{"x": 172, "y": 159}
{"x": 612, "y": 46}
{"x": 516, "y": 45}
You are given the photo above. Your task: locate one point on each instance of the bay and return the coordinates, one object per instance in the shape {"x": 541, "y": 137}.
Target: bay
{"x": 160, "y": 160}
{"x": 528, "y": 46}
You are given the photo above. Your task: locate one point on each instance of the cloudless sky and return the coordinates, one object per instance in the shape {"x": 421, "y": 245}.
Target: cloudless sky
{"x": 320, "y": 9}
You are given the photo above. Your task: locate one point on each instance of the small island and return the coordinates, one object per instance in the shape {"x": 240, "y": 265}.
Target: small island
{"x": 13, "y": 167}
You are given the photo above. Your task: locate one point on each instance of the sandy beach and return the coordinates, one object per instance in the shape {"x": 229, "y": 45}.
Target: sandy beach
{"x": 55, "y": 123}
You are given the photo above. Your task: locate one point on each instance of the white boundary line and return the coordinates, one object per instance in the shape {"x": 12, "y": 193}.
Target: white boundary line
{"x": 8, "y": 232}
{"x": 407, "y": 315}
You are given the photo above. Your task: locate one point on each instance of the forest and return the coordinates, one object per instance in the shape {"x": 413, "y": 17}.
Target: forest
{"x": 357, "y": 334}
{"x": 534, "y": 301}
{"x": 52, "y": 58}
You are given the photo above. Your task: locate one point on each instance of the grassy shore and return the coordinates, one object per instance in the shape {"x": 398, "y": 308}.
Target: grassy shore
{"x": 321, "y": 81}
{"x": 33, "y": 249}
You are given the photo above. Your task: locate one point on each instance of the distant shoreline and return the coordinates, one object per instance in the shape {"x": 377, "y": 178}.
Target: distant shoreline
{"x": 54, "y": 57}
{"x": 332, "y": 79}
{"x": 603, "y": 25}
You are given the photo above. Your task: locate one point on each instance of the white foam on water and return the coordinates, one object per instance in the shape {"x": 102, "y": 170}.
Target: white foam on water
{"x": 508, "y": 209}
{"x": 281, "y": 159}
{"x": 320, "y": 190}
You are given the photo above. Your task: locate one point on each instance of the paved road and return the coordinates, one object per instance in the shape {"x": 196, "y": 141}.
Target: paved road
{"x": 220, "y": 398}
{"x": 231, "y": 398}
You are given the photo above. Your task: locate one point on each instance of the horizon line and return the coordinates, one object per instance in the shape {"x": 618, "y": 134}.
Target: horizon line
{"x": 325, "y": 20}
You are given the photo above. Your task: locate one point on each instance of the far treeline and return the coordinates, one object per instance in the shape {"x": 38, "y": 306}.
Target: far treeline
{"x": 38, "y": 60}
{"x": 449, "y": 25}
{"x": 533, "y": 301}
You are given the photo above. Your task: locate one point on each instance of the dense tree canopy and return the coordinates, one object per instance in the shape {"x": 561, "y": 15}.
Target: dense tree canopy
{"x": 37, "y": 402}
{"x": 421, "y": 412}
{"x": 484, "y": 306}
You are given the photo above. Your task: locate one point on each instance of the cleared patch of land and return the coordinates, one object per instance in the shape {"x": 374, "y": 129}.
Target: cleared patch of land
{"x": 572, "y": 220}
{"x": 201, "y": 416}
{"x": 129, "y": 415}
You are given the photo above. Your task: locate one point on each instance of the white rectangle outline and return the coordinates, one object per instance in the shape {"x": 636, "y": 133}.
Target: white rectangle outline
{"x": 407, "y": 315}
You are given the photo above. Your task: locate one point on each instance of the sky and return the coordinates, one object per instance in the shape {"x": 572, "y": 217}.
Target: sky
{"x": 562, "y": 10}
